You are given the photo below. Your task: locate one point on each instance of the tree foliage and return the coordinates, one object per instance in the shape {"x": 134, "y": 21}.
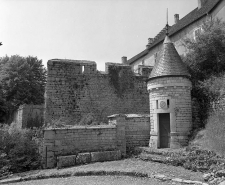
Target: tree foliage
{"x": 3, "y": 106}
{"x": 206, "y": 62}
{"x": 206, "y": 56}
{"x": 22, "y": 80}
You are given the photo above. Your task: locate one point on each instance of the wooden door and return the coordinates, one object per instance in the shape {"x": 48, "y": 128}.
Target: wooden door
{"x": 164, "y": 130}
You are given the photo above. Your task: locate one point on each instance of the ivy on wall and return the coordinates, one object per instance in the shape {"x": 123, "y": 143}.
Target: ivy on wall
{"x": 121, "y": 79}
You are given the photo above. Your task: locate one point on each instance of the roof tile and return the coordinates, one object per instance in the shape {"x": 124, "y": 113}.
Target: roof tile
{"x": 169, "y": 63}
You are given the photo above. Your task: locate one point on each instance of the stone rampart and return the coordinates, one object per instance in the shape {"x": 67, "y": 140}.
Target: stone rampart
{"x": 76, "y": 89}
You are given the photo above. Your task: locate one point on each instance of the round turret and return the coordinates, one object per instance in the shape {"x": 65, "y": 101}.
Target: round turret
{"x": 169, "y": 88}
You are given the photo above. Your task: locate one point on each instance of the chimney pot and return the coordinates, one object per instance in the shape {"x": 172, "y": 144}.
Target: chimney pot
{"x": 124, "y": 60}
{"x": 176, "y": 18}
{"x": 150, "y": 41}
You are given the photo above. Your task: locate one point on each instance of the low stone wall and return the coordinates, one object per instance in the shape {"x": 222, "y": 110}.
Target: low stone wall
{"x": 78, "y": 139}
{"x": 137, "y": 128}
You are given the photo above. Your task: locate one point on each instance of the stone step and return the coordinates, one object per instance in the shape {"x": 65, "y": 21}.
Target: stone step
{"x": 161, "y": 151}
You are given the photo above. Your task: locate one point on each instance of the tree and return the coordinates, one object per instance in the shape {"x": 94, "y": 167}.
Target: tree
{"x": 3, "y": 106}
{"x": 206, "y": 56}
{"x": 206, "y": 63}
{"x": 23, "y": 80}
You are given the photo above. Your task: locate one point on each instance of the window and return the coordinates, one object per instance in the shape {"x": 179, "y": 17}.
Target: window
{"x": 168, "y": 103}
{"x": 197, "y": 32}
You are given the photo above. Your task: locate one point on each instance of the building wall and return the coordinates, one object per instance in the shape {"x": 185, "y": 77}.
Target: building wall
{"x": 137, "y": 129}
{"x": 220, "y": 11}
{"x": 177, "y": 39}
{"x": 72, "y": 94}
{"x": 176, "y": 90}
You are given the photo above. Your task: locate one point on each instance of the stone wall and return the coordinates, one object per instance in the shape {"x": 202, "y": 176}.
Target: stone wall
{"x": 137, "y": 129}
{"x": 28, "y": 116}
{"x": 78, "y": 139}
{"x": 76, "y": 90}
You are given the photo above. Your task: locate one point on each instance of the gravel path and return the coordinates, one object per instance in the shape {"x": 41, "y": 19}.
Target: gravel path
{"x": 130, "y": 167}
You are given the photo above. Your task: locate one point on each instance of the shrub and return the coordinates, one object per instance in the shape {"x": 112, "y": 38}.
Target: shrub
{"x": 18, "y": 150}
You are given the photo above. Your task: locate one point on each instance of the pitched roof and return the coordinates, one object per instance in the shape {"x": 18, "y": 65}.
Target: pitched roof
{"x": 170, "y": 63}
{"x": 182, "y": 23}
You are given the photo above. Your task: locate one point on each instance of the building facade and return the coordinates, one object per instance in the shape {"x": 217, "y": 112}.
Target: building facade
{"x": 187, "y": 27}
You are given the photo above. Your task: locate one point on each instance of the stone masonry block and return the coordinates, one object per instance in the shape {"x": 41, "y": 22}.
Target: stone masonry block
{"x": 83, "y": 158}
{"x": 49, "y": 134}
{"x": 66, "y": 161}
{"x": 105, "y": 156}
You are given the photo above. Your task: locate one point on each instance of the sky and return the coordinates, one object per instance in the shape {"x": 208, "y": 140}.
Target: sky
{"x": 96, "y": 30}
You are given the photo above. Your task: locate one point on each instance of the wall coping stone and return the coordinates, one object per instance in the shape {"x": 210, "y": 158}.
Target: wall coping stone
{"x": 129, "y": 115}
{"x": 50, "y": 62}
{"x": 82, "y": 127}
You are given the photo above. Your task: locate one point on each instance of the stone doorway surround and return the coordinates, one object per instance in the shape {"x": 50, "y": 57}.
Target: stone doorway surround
{"x": 155, "y": 111}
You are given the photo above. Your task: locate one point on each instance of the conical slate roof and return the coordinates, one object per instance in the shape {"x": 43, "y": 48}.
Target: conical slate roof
{"x": 170, "y": 63}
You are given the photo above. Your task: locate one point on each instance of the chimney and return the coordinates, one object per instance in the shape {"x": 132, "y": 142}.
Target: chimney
{"x": 150, "y": 41}
{"x": 176, "y": 18}
{"x": 201, "y": 3}
{"x": 124, "y": 60}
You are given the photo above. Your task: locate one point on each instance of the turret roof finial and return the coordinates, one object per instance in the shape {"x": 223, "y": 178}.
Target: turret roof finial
{"x": 167, "y": 25}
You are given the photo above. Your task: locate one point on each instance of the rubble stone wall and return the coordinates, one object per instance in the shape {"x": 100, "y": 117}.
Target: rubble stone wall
{"x": 75, "y": 90}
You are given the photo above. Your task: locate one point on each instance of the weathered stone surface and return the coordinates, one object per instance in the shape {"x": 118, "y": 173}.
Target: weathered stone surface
{"x": 83, "y": 158}
{"x": 105, "y": 156}
{"x": 66, "y": 161}
{"x": 74, "y": 89}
